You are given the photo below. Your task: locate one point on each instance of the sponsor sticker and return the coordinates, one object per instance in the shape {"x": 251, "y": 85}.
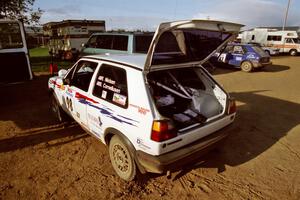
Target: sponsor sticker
{"x": 119, "y": 99}
{"x": 104, "y": 94}
{"x": 140, "y": 109}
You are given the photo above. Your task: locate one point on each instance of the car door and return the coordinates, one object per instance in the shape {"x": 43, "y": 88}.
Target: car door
{"x": 237, "y": 55}
{"x": 109, "y": 100}
{"x": 288, "y": 44}
{"x": 226, "y": 55}
{"x": 76, "y": 96}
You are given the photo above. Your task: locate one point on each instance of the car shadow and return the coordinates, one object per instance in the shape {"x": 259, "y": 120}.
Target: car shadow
{"x": 27, "y": 104}
{"x": 274, "y": 68}
{"x": 50, "y": 136}
{"x": 260, "y": 123}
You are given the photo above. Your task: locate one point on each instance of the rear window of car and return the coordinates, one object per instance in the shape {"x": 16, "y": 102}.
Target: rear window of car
{"x": 186, "y": 45}
{"x": 260, "y": 51}
{"x": 142, "y": 43}
{"x": 111, "y": 85}
{"x": 110, "y": 42}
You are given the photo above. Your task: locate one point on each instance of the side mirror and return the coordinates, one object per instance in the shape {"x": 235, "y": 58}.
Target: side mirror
{"x": 62, "y": 73}
{"x": 66, "y": 81}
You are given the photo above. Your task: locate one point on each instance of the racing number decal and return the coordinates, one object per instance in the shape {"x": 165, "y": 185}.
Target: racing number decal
{"x": 69, "y": 103}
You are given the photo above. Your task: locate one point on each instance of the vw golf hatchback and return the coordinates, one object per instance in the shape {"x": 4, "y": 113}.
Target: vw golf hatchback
{"x": 153, "y": 111}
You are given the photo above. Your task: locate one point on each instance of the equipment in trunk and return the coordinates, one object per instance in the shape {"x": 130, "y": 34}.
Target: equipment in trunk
{"x": 184, "y": 95}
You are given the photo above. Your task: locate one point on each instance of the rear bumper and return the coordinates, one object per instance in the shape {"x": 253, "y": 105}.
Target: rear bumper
{"x": 258, "y": 64}
{"x": 184, "y": 155}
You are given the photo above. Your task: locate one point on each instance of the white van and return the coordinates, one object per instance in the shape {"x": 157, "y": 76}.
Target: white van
{"x": 285, "y": 41}
{"x": 155, "y": 110}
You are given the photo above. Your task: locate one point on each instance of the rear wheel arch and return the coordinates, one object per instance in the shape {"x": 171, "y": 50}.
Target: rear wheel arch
{"x": 110, "y": 132}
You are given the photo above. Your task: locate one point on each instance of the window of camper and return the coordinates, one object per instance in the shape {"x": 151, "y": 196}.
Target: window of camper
{"x": 289, "y": 40}
{"x": 274, "y": 38}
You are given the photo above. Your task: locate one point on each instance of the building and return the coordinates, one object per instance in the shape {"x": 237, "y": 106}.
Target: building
{"x": 67, "y": 36}
{"x": 73, "y": 27}
{"x": 35, "y": 36}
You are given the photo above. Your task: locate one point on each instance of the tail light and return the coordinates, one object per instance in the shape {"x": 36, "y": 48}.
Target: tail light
{"x": 231, "y": 107}
{"x": 163, "y": 130}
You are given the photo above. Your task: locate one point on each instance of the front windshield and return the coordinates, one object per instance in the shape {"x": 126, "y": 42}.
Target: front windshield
{"x": 11, "y": 37}
{"x": 296, "y": 40}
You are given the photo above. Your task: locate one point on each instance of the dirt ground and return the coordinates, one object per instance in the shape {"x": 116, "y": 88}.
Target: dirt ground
{"x": 40, "y": 159}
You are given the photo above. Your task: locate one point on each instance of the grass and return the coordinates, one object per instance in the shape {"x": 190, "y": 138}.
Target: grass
{"x": 39, "y": 52}
{"x": 40, "y": 60}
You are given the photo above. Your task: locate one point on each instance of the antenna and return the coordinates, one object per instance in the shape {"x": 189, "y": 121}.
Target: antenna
{"x": 175, "y": 11}
{"x": 286, "y": 15}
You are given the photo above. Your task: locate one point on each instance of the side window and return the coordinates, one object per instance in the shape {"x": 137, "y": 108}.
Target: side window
{"x": 274, "y": 38}
{"x": 238, "y": 50}
{"x": 83, "y": 74}
{"x": 111, "y": 85}
{"x": 92, "y": 42}
{"x": 120, "y": 42}
{"x": 142, "y": 43}
{"x": 289, "y": 40}
{"x": 104, "y": 41}
{"x": 228, "y": 49}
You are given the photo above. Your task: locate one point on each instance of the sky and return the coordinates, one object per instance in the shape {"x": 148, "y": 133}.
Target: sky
{"x": 147, "y": 14}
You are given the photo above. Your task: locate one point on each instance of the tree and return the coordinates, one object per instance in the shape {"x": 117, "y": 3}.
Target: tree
{"x": 21, "y": 10}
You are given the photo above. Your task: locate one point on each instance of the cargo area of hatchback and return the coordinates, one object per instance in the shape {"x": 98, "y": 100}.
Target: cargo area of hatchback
{"x": 188, "y": 96}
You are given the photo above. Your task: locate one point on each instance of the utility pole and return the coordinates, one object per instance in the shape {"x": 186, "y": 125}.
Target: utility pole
{"x": 286, "y": 15}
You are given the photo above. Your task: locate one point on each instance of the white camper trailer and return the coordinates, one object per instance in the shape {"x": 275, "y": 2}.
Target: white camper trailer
{"x": 285, "y": 41}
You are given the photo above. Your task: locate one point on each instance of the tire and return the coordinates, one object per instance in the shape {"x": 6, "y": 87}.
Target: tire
{"x": 121, "y": 159}
{"x": 293, "y": 52}
{"x": 58, "y": 112}
{"x": 268, "y": 52}
{"x": 247, "y": 66}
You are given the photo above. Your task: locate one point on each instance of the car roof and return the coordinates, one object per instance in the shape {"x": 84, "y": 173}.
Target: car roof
{"x": 240, "y": 44}
{"x": 125, "y": 33}
{"x": 134, "y": 60}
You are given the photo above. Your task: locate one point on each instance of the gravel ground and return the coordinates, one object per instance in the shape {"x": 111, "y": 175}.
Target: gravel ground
{"x": 40, "y": 159}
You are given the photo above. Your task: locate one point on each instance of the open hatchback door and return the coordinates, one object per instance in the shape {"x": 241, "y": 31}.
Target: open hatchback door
{"x": 182, "y": 90}
{"x": 194, "y": 41}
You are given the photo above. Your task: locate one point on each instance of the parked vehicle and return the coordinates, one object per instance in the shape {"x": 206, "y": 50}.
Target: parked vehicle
{"x": 115, "y": 43}
{"x": 245, "y": 56}
{"x": 155, "y": 110}
{"x": 15, "y": 65}
{"x": 269, "y": 50}
{"x": 285, "y": 41}
{"x": 67, "y": 36}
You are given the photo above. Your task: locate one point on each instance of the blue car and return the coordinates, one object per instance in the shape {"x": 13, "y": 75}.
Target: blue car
{"x": 245, "y": 56}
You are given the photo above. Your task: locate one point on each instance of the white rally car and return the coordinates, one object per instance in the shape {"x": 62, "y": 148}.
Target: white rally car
{"x": 153, "y": 111}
